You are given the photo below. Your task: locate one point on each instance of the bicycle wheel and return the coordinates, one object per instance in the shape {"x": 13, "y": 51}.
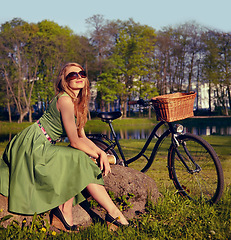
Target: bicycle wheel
{"x": 203, "y": 181}
{"x": 105, "y": 147}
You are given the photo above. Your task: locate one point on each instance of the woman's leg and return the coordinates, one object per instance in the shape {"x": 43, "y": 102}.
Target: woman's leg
{"x": 99, "y": 193}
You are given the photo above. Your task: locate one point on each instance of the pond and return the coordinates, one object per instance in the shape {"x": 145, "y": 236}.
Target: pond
{"x": 208, "y": 126}
{"x": 196, "y": 125}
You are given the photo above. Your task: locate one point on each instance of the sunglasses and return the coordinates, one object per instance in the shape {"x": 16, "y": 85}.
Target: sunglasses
{"x": 74, "y": 75}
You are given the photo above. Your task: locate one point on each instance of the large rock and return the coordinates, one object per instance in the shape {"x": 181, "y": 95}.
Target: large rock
{"x": 125, "y": 181}
{"x": 129, "y": 187}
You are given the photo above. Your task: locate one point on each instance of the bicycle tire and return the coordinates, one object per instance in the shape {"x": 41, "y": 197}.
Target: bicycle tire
{"x": 204, "y": 185}
{"x": 103, "y": 145}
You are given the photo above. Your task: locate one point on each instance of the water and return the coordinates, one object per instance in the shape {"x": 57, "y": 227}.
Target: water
{"x": 208, "y": 126}
{"x": 199, "y": 126}
{"x": 144, "y": 133}
{"x": 210, "y": 130}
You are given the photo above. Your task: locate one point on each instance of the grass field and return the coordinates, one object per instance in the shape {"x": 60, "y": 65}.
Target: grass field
{"x": 172, "y": 217}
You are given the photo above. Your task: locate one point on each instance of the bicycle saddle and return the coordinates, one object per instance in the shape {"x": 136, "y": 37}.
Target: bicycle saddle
{"x": 109, "y": 116}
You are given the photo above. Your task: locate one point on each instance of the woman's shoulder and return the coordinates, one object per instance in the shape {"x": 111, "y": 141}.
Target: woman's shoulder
{"x": 63, "y": 97}
{"x": 64, "y": 101}
{"x": 63, "y": 94}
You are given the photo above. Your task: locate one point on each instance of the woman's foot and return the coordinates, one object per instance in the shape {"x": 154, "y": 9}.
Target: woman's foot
{"x": 118, "y": 216}
{"x": 67, "y": 215}
{"x": 57, "y": 220}
{"x": 114, "y": 223}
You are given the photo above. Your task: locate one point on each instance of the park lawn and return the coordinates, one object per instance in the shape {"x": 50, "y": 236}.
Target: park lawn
{"x": 172, "y": 217}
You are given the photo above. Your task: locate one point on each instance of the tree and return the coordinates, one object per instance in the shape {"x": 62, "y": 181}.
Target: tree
{"x": 98, "y": 38}
{"x": 108, "y": 88}
{"x": 56, "y": 43}
{"x": 164, "y": 52}
{"x": 191, "y": 34}
{"x": 18, "y": 66}
{"x": 217, "y": 68}
{"x": 179, "y": 52}
{"x": 132, "y": 57}
{"x": 32, "y": 55}
{"x": 224, "y": 88}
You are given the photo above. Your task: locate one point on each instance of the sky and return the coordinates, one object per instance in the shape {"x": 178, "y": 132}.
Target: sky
{"x": 214, "y": 14}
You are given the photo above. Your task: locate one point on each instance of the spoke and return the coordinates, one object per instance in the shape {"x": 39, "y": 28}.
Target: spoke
{"x": 200, "y": 180}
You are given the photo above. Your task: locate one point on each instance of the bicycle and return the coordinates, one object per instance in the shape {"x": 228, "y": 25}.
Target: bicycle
{"x": 193, "y": 164}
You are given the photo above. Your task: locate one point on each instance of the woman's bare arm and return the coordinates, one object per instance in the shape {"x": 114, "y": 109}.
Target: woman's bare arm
{"x": 104, "y": 164}
{"x": 66, "y": 108}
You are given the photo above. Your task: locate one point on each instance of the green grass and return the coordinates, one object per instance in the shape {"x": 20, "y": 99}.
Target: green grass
{"x": 172, "y": 217}
{"x": 13, "y": 127}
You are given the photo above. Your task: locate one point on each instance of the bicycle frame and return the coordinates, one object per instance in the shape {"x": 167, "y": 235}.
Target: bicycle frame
{"x": 115, "y": 142}
{"x": 170, "y": 130}
{"x": 160, "y": 139}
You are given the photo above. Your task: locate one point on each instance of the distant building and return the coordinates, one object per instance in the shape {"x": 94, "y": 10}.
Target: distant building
{"x": 202, "y": 100}
{"x": 93, "y": 91}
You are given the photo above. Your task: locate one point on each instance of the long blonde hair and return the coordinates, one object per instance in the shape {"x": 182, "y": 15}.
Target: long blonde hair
{"x": 81, "y": 101}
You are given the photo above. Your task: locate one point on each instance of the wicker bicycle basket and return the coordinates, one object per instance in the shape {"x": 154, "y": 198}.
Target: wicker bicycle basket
{"x": 174, "y": 107}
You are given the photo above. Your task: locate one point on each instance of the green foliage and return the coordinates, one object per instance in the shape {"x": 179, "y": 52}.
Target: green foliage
{"x": 128, "y": 59}
{"x": 5, "y": 218}
{"x": 217, "y": 69}
{"x": 107, "y": 86}
{"x": 122, "y": 202}
{"x": 31, "y": 57}
{"x": 39, "y": 228}
{"x": 133, "y": 51}
{"x": 131, "y": 61}
{"x": 146, "y": 89}
{"x": 93, "y": 203}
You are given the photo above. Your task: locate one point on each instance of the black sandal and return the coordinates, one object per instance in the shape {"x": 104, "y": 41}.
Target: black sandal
{"x": 112, "y": 223}
{"x": 57, "y": 220}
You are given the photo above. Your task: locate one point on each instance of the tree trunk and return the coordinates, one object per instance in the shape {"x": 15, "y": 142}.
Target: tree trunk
{"x": 149, "y": 112}
{"x": 22, "y": 115}
{"x": 108, "y": 106}
{"x": 163, "y": 87}
{"x": 229, "y": 96}
{"x": 124, "y": 114}
{"x": 102, "y": 106}
{"x": 8, "y": 103}
{"x": 89, "y": 115}
{"x": 190, "y": 73}
{"x": 210, "y": 109}
{"x": 30, "y": 115}
{"x": 125, "y": 109}
{"x": 9, "y": 111}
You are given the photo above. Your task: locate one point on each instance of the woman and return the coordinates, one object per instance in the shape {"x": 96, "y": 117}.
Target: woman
{"x": 37, "y": 175}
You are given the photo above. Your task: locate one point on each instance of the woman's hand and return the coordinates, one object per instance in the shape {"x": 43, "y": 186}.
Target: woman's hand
{"x": 104, "y": 163}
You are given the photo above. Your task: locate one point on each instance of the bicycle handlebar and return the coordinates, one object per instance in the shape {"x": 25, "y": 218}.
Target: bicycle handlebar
{"x": 140, "y": 102}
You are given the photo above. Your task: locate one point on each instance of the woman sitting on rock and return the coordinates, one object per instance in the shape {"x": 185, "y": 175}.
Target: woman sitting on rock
{"x": 36, "y": 175}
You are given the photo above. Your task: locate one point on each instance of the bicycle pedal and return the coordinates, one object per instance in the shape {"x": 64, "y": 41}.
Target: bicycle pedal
{"x": 120, "y": 162}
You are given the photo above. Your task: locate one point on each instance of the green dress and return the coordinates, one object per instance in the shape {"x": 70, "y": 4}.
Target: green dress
{"x": 37, "y": 175}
